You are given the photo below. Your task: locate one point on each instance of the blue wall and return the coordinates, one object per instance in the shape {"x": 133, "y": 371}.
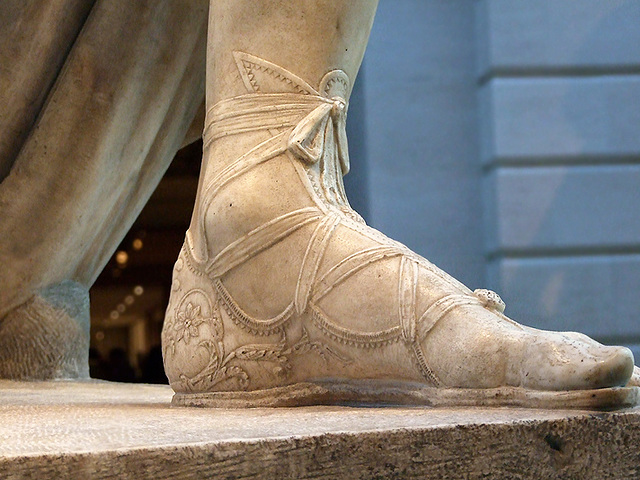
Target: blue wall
{"x": 501, "y": 140}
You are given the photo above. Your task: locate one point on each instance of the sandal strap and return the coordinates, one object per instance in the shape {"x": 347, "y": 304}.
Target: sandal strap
{"x": 350, "y": 337}
{"x": 254, "y": 112}
{"x": 439, "y": 309}
{"x": 254, "y": 325}
{"x": 260, "y": 239}
{"x": 407, "y": 293}
{"x": 407, "y": 284}
{"x": 312, "y": 258}
{"x": 314, "y": 120}
{"x": 262, "y": 152}
{"x": 350, "y": 265}
{"x": 426, "y": 371}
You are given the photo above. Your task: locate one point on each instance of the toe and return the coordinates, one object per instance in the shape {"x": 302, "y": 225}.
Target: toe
{"x": 614, "y": 370}
{"x": 557, "y": 362}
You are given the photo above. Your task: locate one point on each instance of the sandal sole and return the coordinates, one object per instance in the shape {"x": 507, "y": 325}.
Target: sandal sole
{"x": 377, "y": 393}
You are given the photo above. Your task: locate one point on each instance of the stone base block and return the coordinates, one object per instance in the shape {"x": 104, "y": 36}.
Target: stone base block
{"x": 104, "y": 430}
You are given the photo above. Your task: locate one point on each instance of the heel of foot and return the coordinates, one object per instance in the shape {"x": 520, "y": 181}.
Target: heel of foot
{"x": 192, "y": 331}
{"x": 47, "y": 337}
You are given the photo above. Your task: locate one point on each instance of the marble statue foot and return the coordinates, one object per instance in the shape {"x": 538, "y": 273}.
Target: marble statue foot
{"x": 282, "y": 295}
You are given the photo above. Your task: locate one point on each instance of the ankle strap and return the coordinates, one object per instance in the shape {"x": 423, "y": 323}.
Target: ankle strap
{"x": 254, "y": 112}
{"x": 314, "y": 120}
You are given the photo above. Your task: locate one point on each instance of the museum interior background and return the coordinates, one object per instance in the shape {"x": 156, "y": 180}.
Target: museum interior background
{"x": 498, "y": 138}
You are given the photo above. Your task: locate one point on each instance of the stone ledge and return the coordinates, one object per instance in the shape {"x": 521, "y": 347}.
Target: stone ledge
{"x": 105, "y": 430}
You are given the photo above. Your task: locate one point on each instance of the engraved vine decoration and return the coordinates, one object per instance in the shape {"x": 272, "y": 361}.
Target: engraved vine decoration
{"x": 222, "y": 365}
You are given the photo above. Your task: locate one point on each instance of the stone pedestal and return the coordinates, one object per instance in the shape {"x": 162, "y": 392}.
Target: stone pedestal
{"x": 105, "y": 430}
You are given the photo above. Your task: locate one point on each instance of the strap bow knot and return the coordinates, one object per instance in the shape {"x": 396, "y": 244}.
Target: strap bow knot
{"x": 312, "y": 137}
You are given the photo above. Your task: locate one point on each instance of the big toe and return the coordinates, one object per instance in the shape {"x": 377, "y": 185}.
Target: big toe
{"x": 567, "y": 364}
{"x": 613, "y": 370}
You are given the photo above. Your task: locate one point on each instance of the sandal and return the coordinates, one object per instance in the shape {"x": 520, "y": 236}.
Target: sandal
{"x": 220, "y": 353}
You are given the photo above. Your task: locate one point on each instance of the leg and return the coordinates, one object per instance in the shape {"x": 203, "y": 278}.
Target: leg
{"x": 118, "y": 111}
{"x": 281, "y": 294}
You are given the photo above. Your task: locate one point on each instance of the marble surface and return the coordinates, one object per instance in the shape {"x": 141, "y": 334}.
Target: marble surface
{"x": 101, "y": 429}
{"x": 63, "y": 417}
